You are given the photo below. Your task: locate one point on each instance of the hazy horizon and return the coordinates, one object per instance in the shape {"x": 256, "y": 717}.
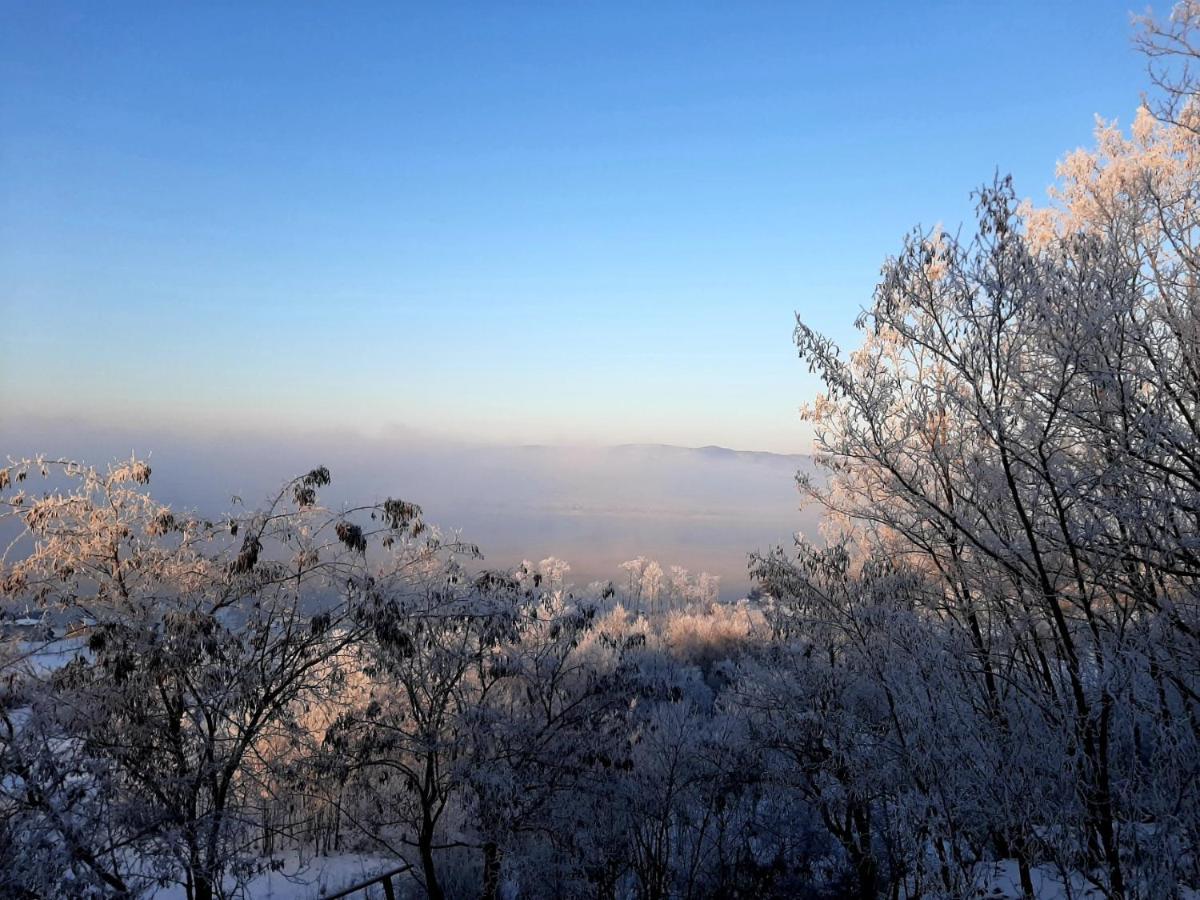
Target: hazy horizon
{"x": 593, "y": 506}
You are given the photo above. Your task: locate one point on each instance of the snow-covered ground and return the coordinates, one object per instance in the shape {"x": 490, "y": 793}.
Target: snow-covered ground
{"x": 312, "y": 878}
{"x": 1002, "y": 880}
{"x": 47, "y": 655}
{"x": 309, "y": 878}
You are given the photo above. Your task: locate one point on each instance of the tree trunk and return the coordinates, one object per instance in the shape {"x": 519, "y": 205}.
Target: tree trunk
{"x": 866, "y": 872}
{"x": 433, "y": 887}
{"x": 491, "y": 871}
{"x": 1026, "y": 876}
{"x": 866, "y": 869}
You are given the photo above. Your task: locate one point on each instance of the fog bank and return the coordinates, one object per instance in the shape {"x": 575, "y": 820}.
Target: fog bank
{"x": 702, "y": 508}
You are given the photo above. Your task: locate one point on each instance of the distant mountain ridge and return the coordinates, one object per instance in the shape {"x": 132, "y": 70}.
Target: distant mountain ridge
{"x": 718, "y": 452}
{"x": 712, "y": 451}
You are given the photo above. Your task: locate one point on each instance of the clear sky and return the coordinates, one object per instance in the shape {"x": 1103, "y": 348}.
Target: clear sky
{"x": 560, "y": 222}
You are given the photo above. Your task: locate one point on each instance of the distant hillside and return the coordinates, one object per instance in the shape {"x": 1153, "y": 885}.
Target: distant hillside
{"x": 714, "y": 452}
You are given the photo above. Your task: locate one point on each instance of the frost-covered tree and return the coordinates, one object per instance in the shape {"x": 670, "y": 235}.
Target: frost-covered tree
{"x": 144, "y": 755}
{"x": 481, "y": 716}
{"x": 1019, "y": 425}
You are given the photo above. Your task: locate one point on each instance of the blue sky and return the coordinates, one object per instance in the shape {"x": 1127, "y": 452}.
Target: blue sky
{"x": 536, "y": 223}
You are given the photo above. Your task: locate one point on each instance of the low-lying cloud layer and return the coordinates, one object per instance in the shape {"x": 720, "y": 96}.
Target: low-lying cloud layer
{"x": 703, "y": 508}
